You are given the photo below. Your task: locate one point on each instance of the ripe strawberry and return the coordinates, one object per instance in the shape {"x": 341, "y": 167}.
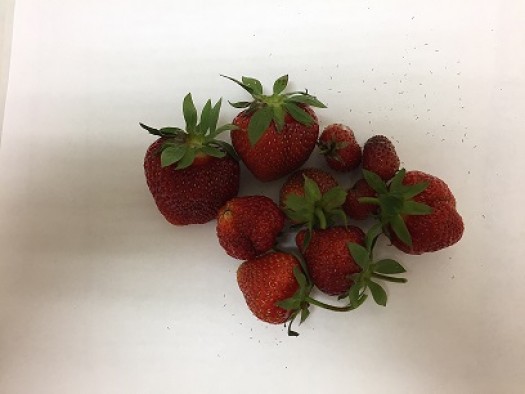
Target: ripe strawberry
{"x": 379, "y": 156}
{"x": 295, "y": 183}
{"x": 189, "y": 173}
{"x": 276, "y": 133}
{"x": 328, "y": 258}
{"x": 441, "y": 228}
{"x": 340, "y": 148}
{"x": 417, "y": 211}
{"x": 355, "y": 209}
{"x": 267, "y": 280}
{"x": 248, "y": 226}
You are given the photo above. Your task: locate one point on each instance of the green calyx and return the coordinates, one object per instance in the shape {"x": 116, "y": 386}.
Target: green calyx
{"x": 331, "y": 149}
{"x": 314, "y": 209}
{"x": 266, "y": 109}
{"x": 181, "y": 146}
{"x": 395, "y": 201}
{"x": 371, "y": 271}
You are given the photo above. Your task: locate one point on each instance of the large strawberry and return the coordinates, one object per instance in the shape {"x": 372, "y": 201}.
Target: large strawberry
{"x": 248, "y": 226}
{"x": 340, "y": 148}
{"x": 276, "y": 133}
{"x": 189, "y": 172}
{"x": 417, "y": 210}
{"x": 328, "y": 258}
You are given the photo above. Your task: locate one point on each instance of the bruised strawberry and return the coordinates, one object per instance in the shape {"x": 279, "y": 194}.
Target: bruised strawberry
{"x": 276, "y": 133}
{"x": 190, "y": 174}
{"x": 248, "y": 226}
{"x": 266, "y": 280}
{"x": 295, "y": 183}
{"x": 380, "y": 157}
{"x": 355, "y": 209}
{"x": 340, "y": 148}
{"x": 328, "y": 258}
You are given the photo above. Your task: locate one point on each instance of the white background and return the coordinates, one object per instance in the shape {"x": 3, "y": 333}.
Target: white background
{"x": 98, "y": 294}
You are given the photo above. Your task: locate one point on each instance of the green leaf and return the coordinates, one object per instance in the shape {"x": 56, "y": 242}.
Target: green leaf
{"x": 397, "y": 180}
{"x": 168, "y": 131}
{"x": 305, "y": 312}
{"x": 375, "y": 182}
{"x": 389, "y": 266}
{"x": 368, "y": 200}
{"x": 401, "y": 230}
{"x": 172, "y": 154}
{"x": 298, "y": 114}
{"x": 280, "y": 84}
{"x": 333, "y": 198}
{"x": 249, "y": 89}
{"x": 212, "y": 151}
{"x": 240, "y": 104}
{"x": 190, "y": 113}
{"x": 214, "y": 117}
{"x": 378, "y": 293}
{"x": 355, "y": 293}
{"x": 307, "y": 238}
{"x": 300, "y": 277}
{"x": 415, "y": 208}
{"x": 290, "y": 303}
{"x": 151, "y": 130}
{"x": 306, "y": 99}
{"x": 390, "y": 204}
{"x": 186, "y": 160}
{"x": 226, "y": 147}
{"x": 321, "y": 218}
{"x": 360, "y": 255}
{"x": 259, "y": 122}
{"x": 223, "y": 128}
{"x": 338, "y": 213}
{"x": 410, "y": 191}
{"x": 301, "y": 216}
{"x": 311, "y": 190}
{"x": 295, "y": 202}
{"x": 254, "y": 84}
{"x": 278, "y": 116}
{"x": 204, "y": 124}
{"x": 371, "y": 236}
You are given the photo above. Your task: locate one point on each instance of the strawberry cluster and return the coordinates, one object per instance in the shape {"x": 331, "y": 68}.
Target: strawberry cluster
{"x": 194, "y": 177}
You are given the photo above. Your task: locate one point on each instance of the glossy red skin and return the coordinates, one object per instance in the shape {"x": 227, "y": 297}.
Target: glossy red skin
{"x": 353, "y": 208}
{"x": 295, "y": 183}
{"x": 440, "y": 229}
{"x": 195, "y": 194}
{"x": 276, "y": 154}
{"x": 328, "y": 258}
{"x": 248, "y": 226}
{"x": 379, "y": 156}
{"x": 342, "y": 159}
{"x": 266, "y": 280}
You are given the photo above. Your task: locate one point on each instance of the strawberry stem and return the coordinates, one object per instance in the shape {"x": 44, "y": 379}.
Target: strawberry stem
{"x": 388, "y": 278}
{"x": 313, "y": 301}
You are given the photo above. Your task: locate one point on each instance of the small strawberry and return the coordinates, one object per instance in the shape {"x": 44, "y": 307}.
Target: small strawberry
{"x": 267, "y": 280}
{"x": 276, "y": 133}
{"x": 295, "y": 183}
{"x": 340, "y": 148}
{"x": 248, "y": 226}
{"x": 355, "y": 209}
{"x": 328, "y": 258}
{"x": 379, "y": 156}
{"x": 189, "y": 172}
{"x": 417, "y": 211}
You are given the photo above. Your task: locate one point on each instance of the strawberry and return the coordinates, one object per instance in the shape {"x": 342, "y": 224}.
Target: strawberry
{"x": 295, "y": 183}
{"x": 340, "y": 148}
{"x": 266, "y": 280}
{"x": 379, "y": 156}
{"x": 355, "y": 209}
{"x": 417, "y": 210}
{"x": 328, "y": 258}
{"x": 276, "y": 133}
{"x": 190, "y": 174}
{"x": 248, "y": 226}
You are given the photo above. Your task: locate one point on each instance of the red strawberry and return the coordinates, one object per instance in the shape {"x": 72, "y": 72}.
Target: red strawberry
{"x": 277, "y": 133}
{"x": 341, "y": 150}
{"x": 328, "y": 258}
{"x": 295, "y": 183}
{"x": 379, "y": 156}
{"x": 353, "y": 208}
{"x": 248, "y": 226}
{"x": 267, "y": 280}
{"x": 441, "y": 228}
{"x": 189, "y": 173}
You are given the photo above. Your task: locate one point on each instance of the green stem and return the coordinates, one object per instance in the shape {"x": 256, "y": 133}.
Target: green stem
{"x": 389, "y": 278}
{"x": 328, "y": 306}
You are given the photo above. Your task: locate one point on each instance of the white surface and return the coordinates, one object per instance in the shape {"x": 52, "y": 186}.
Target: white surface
{"x": 98, "y": 294}
{"x": 6, "y": 29}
